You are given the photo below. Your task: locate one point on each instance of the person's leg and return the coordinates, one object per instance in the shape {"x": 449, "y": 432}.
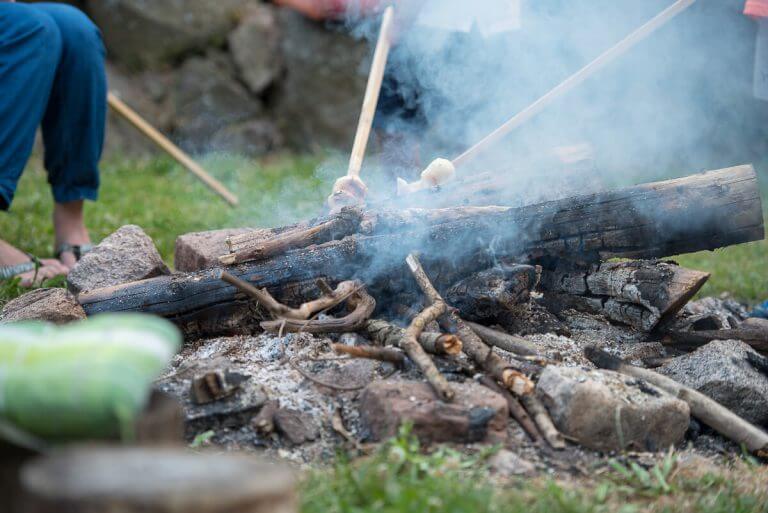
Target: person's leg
{"x": 73, "y": 126}
{"x": 30, "y": 47}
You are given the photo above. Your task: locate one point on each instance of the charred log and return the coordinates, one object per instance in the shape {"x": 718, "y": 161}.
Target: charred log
{"x": 643, "y": 221}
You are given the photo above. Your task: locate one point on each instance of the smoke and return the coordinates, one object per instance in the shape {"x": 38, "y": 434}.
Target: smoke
{"x": 677, "y": 103}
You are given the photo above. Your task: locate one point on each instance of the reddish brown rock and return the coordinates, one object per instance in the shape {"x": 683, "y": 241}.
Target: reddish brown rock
{"x": 201, "y": 250}
{"x": 477, "y": 414}
{"x": 52, "y": 305}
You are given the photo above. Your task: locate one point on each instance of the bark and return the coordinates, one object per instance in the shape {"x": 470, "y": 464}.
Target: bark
{"x": 640, "y": 293}
{"x": 644, "y": 221}
{"x": 690, "y": 340}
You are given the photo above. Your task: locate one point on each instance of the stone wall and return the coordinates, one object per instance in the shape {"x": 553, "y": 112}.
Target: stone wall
{"x": 230, "y": 75}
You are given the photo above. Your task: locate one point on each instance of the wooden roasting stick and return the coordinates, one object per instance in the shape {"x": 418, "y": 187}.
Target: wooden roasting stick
{"x": 441, "y": 170}
{"x": 707, "y": 410}
{"x": 349, "y": 189}
{"x": 166, "y": 145}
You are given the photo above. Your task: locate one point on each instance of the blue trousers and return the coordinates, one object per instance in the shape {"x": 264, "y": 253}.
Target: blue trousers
{"x": 51, "y": 75}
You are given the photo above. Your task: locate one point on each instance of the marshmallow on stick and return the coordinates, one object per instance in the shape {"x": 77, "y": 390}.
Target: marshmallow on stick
{"x": 437, "y": 173}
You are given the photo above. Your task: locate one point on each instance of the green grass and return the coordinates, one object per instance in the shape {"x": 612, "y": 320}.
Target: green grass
{"x": 400, "y": 478}
{"x": 167, "y": 201}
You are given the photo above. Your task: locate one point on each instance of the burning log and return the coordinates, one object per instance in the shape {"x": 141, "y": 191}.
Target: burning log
{"x": 639, "y": 293}
{"x": 488, "y": 294}
{"x": 709, "y": 411}
{"x": 644, "y": 221}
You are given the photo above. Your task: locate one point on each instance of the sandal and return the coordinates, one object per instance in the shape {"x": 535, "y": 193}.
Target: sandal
{"x": 9, "y": 271}
{"x": 77, "y": 250}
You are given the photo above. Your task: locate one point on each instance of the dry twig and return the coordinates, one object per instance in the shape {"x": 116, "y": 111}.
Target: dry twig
{"x": 386, "y": 334}
{"x": 505, "y": 341}
{"x": 306, "y": 310}
{"x": 410, "y": 344}
{"x": 544, "y": 422}
{"x": 382, "y": 354}
{"x": 360, "y": 300}
{"x": 516, "y": 409}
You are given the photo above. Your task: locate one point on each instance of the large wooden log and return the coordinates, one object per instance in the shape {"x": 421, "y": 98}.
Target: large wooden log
{"x": 698, "y": 212}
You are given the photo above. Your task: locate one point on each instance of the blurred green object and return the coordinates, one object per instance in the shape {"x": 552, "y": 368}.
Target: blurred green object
{"x": 86, "y": 380}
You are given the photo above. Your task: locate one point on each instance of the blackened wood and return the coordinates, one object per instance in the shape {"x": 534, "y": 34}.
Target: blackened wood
{"x": 483, "y": 296}
{"x": 698, "y": 212}
{"x": 640, "y": 293}
{"x": 689, "y": 340}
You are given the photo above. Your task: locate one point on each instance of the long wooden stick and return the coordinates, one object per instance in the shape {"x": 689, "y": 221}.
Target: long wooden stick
{"x": 349, "y": 189}
{"x": 707, "y": 410}
{"x": 372, "y": 90}
{"x": 166, "y": 145}
{"x": 574, "y": 80}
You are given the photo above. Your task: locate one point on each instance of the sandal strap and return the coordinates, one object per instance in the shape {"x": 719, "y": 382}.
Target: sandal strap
{"x": 9, "y": 271}
{"x": 77, "y": 250}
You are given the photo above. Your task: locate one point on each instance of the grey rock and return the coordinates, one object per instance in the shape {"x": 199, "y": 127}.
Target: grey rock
{"x": 52, "y": 305}
{"x": 255, "y": 48}
{"x": 318, "y": 101}
{"x": 721, "y": 371}
{"x": 607, "y": 411}
{"x": 148, "y": 93}
{"x": 126, "y": 255}
{"x": 476, "y": 414}
{"x": 142, "y": 33}
{"x": 207, "y": 98}
{"x": 295, "y": 426}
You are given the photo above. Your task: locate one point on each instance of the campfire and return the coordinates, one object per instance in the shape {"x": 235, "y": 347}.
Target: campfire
{"x": 457, "y": 319}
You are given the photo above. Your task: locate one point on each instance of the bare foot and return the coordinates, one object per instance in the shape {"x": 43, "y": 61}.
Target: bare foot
{"x": 70, "y": 229}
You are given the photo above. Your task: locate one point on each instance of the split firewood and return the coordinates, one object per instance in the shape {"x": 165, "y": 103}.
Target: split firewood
{"x": 516, "y": 409}
{"x": 543, "y": 421}
{"x": 363, "y": 306}
{"x": 639, "y": 293}
{"x": 505, "y": 341}
{"x": 382, "y": 354}
{"x": 386, "y": 334}
{"x": 330, "y": 299}
{"x": 497, "y": 367}
{"x": 248, "y": 247}
{"x": 487, "y": 294}
{"x": 644, "y": 221}
{"x": 707, "y": 410}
